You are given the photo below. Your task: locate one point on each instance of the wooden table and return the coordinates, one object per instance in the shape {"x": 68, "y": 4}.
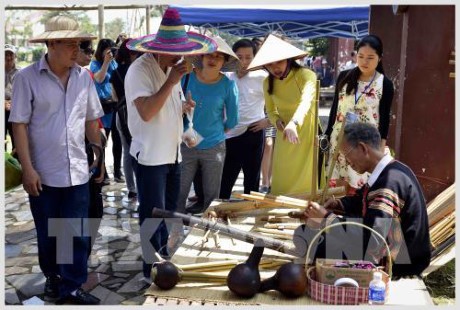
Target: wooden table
{"x": 192, "y": 251}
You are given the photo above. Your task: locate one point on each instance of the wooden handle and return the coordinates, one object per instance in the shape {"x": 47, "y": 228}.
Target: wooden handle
{"x": 226, "y": 230}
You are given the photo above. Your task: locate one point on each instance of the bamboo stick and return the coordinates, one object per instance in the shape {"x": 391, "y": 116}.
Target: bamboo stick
{"x": 276, "y": 232}
{"x": 288, "y": 226}
{"x": 314, "y": 180}
{"x": 279, "y": 201}
{"x": 267, "y": 212}
{"x": 188, "y": 267}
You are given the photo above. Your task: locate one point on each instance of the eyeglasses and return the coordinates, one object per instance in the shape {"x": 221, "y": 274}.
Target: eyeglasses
{"x": 87, "y": 51}
{"x": 345, "y": 153}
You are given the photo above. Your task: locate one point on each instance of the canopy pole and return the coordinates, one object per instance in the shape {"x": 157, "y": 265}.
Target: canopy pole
{"x": 100, "y": 15}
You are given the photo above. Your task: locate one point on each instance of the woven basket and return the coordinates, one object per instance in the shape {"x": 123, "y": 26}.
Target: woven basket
{"x": 338, "y": 295}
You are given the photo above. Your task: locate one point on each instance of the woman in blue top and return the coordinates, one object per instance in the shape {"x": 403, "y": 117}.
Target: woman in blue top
{"x": 103, "y": 66}
{"x": 216, "y": 111}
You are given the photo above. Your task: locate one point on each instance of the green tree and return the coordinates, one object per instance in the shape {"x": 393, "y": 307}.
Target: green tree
{"x": 83, "y": 19}
{"x": 317, "y": 46}
{"x": 114, "y": 28}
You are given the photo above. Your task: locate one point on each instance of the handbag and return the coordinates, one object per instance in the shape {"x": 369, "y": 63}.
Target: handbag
{"x": 108, "y": 105}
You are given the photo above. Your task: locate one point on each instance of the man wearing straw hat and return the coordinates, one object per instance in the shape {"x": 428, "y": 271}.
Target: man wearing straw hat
{"x": 55, "y": 105}
{"x": 391, "y": 203}
{"x": 155, "y": 109}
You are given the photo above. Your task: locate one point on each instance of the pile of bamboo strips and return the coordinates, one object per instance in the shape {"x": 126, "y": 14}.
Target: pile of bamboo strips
{"x": 441, "y": 217}
{"x": 442, "y": 205}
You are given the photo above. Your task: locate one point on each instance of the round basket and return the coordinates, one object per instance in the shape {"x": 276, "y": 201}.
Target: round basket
{"x": 337, "y": 295}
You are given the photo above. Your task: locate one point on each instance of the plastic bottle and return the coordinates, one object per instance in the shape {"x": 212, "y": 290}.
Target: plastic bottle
{"x": 377, "y": 290}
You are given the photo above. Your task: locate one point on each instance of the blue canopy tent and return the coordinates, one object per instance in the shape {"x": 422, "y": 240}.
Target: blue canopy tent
{"x": 296, "y": 23}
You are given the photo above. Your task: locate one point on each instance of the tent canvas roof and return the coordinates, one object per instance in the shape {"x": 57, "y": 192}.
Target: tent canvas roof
{"x": 295, "y": 22}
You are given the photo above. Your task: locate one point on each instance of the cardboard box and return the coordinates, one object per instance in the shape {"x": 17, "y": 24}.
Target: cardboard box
{"x": 328, "y": 274}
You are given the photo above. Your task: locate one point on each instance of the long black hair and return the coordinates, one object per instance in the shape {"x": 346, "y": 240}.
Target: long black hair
{"x": 101, "y": 46}
{"x": 291, "y": 64}
{"x": 351, "y": 79}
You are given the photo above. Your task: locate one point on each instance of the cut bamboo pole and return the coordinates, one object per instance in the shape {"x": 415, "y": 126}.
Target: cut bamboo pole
{"x": 262, "y": 212}
{"x": 279, "y": 201}
{"x": 288, "y": 226}
{"x": 276, "y": 232}
{"x": 314, "y": 180}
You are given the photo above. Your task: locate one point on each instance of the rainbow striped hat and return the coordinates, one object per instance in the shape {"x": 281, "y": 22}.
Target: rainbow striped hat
{"x": 172, "y": 39}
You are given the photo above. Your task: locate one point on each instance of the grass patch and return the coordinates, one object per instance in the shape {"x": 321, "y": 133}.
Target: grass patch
{"x": 441, "y": 284}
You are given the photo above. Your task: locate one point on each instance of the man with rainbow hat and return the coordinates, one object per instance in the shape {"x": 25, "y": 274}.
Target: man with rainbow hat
{"x": 155, "y": 109}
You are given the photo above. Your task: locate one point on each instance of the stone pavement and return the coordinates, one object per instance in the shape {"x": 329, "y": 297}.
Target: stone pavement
{"x": 115, "y": 265}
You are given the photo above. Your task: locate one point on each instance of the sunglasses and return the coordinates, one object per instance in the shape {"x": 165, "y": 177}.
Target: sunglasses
{"x": 87, "y": 51}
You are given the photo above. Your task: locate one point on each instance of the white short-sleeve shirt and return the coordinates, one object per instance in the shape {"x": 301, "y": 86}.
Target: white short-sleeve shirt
{"x": 250, "y": 100}
{"x": 156, "y": 142}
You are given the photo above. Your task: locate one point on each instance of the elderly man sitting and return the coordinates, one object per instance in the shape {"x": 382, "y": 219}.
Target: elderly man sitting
{"x": 391, "y": 203}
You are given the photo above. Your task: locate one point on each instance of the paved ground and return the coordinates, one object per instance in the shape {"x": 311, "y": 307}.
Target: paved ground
{"x": 115, "y": 264}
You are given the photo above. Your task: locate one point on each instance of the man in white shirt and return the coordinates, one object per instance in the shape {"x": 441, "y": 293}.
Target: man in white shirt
{"x": 154, "y": 102}
{"x": 245, "y": 142}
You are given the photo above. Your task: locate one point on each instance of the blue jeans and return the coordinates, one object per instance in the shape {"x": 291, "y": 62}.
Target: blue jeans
{"x": 60, "y": 216}
{"x": 128, "y": 168}
{"x": 157, "y": 187}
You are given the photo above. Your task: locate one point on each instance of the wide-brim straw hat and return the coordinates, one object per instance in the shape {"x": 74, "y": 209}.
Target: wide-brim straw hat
{"x": 230, "y": 65}
{"x": 274, "y": 49}
{"x": 62, "y": 28}
{"x": 172, "y": 39}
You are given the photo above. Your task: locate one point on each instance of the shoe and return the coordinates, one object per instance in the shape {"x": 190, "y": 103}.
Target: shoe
{"x": 52, "y": 287}
{"x": 193, "y": 198}
{"x": 147, "y": 280}
{"x": 119, "y": 179}
{"x": 106, "y": 182}
{"x": 264, "y": 189}
{"x": 132, "y": 195}
{"x": 81, "y": 298}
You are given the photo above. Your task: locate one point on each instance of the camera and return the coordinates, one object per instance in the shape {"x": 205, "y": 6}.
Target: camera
{"x": 114, "y": 51}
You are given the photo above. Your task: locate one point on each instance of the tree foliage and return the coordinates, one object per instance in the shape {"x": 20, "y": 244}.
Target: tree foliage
{"x": 114, "y": 28}
{"x": 317, "y": 46}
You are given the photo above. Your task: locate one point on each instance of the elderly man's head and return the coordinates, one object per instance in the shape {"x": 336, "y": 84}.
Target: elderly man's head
{"x": 10, "y": 57}
{"x": 361, "y": 146}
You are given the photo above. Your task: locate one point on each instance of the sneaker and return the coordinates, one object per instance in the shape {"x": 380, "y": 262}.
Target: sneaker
{"x": 52, "y": 287}
{"x": 80, "y": 298}
{"x": 132, "y": 195}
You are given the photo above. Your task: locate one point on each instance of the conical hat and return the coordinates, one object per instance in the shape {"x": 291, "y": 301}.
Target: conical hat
{"x": 61, "y": 28}
{"x": 230, "y": 65}
{"x": 274, "y": 49}
{"x": 172, "y": 39}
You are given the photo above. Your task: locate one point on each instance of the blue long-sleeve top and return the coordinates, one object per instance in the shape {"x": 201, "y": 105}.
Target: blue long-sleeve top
{"x": 216, "y": 109}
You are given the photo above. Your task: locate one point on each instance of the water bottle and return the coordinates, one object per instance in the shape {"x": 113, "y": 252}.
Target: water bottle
{"x": 377, "y": 290}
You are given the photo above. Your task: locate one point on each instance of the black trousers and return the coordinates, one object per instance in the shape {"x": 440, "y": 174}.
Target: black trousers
{"x": 243, "y": 152}
{"x": 117, "y": 148}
